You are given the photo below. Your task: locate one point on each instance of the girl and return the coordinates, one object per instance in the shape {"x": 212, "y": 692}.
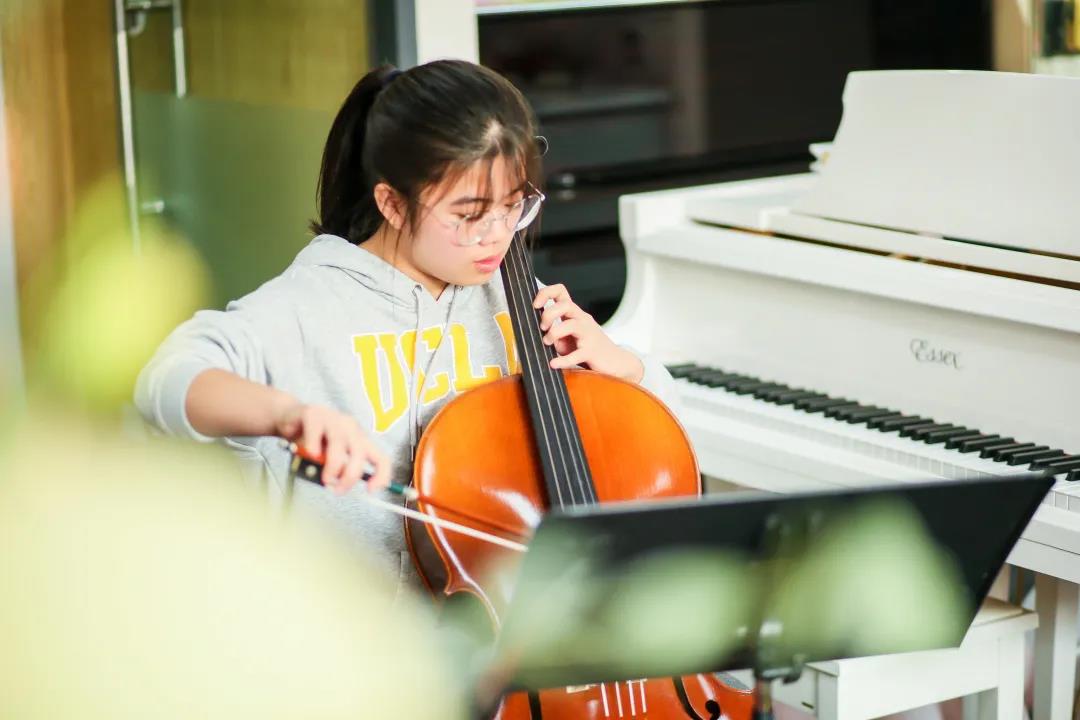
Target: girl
{"x": 392, "y": 309}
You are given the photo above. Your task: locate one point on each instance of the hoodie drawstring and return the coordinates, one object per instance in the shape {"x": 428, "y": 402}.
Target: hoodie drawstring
{"x": 417, "y": 389}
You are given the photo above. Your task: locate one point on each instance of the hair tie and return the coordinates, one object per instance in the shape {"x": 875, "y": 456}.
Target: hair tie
{"x": 390, "y": 77}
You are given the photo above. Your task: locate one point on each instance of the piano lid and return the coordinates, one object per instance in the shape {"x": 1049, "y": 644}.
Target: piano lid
{"x": 987, "y": 157}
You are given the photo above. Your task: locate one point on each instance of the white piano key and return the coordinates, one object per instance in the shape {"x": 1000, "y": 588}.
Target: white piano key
{"x": 913, "y": 458}
{"x": 845, "y": 454}
{"x": 1066, "y": 488}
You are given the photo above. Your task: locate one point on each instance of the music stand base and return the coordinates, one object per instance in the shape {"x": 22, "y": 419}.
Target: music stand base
{"x": 763, "y": 680}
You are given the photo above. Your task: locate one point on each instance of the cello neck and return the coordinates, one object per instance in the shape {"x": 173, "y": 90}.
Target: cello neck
{"x": 558, "y": 443}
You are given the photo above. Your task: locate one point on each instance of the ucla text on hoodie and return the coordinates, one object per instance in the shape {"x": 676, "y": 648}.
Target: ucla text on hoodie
{"x": 387, "y": 360}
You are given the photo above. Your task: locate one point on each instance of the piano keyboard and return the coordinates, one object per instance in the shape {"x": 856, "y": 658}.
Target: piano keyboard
{"x": 912, "y": 443}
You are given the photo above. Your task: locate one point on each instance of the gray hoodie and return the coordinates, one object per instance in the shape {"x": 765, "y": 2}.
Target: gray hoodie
{"x": 340, "y": 327}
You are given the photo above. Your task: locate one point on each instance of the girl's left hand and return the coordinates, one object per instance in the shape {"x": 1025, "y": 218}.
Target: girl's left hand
{"x": 579, "y": 339}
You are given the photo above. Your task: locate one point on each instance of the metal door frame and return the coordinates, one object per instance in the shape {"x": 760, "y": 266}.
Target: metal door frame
{"x": 393, "y": 30}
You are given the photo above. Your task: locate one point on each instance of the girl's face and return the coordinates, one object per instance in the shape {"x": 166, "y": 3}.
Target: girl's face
{"x": 452, "y": 214}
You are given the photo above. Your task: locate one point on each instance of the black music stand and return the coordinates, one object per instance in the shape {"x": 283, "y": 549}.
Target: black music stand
{"x": 775, "y": 581}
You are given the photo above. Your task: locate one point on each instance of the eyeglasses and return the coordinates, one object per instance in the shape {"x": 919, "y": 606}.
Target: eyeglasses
{"x": 472, "y": 229}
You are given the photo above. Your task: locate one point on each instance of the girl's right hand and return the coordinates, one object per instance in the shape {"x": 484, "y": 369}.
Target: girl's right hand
{"x": 337, "y": 437}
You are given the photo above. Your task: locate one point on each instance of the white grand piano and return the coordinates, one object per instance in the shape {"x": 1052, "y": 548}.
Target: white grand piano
{"x": 909, "y": 309}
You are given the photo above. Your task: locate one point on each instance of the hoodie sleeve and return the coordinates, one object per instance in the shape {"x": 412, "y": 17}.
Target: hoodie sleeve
{"x": 236, "y": 340}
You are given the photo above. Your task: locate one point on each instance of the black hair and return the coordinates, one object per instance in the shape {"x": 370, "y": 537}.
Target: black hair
{"x": 415, "y": 128}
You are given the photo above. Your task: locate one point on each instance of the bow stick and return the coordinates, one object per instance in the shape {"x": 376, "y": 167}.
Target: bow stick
{"x": 307, "y": 466}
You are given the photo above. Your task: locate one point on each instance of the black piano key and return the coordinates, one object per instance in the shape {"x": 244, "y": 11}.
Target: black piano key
{"x": 735, "y": 381}
{"x": 899, "y": 423}
{"x": 979, "y": 444}
{"x": 698, "y": 375}
{"x": 711, "y": 378}
{"x": 875, "y": 422}
{"x": 1030, "y": 456}
{"x": 810, "y": 404}
{"x": 1006, "y": 455}
{"x": 954, "y": 441}
{"x": 840, "y": 412}
{"x": 780, "y": 391}
{"x": 909, "y": 430}
{"x": 940, "y": 436}
{"x": 834, "y": 411}
{"x": 766, "y": 391}
{"x": 682, "y": 369}
{"x": 792, "y": 396}
{"x": 994, "y": 451}
{"x": 921, "y": 433}
{"x": 1073, "y": 475}
{"x": 870, "y": 417}
{"x": 1058, "y": 465}
{"x": 866, "y": 414}
{"x": 746, "y": 388}
{"x": 846, "y": 413}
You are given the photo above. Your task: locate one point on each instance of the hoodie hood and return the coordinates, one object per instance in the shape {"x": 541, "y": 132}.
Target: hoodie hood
{"x": 369, "y": 270}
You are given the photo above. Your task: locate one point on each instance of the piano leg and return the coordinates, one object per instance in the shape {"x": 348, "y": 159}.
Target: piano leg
{"x": 1006, "y": 702}
{"x": 1055, "y": 647}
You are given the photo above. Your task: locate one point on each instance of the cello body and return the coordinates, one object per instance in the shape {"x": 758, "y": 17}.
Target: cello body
{"x": 479, "y": 453}
{"x": 506, "y": 452}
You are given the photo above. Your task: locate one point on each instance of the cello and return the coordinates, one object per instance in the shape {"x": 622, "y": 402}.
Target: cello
{"x": 501, "y": 454}
{"x": 509, "y": 450}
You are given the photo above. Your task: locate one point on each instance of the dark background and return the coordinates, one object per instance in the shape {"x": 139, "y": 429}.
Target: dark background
{"x": 657, "y": 96}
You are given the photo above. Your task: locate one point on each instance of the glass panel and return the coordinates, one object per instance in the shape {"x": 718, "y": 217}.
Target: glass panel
{"x": 635, "y": 91}
{"x": 233, "y": 165}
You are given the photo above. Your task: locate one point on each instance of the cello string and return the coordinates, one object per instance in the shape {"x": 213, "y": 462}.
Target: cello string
{"x": 543, "y": 375}
{"x": 558, "y": 400}
{"x": 576, "y": 474}
{"x": 515, "y": 302}
{"x": 562, "y": 399}
{"x": 543, "y": 372}
{"x": 569, "y": 423}
{"x": 534, "y": 352}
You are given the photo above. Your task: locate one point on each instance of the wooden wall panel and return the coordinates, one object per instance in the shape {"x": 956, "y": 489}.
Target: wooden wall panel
{"x": 89, "y": 45}
{"x": 298, "y": 53}
{"x": 289, "y": 53}
{"x": 62, "y": 124}
{"x": 38, "y": 135}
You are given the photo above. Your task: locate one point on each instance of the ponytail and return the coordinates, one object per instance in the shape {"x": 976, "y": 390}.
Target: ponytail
{"x": 345, "y": 194}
